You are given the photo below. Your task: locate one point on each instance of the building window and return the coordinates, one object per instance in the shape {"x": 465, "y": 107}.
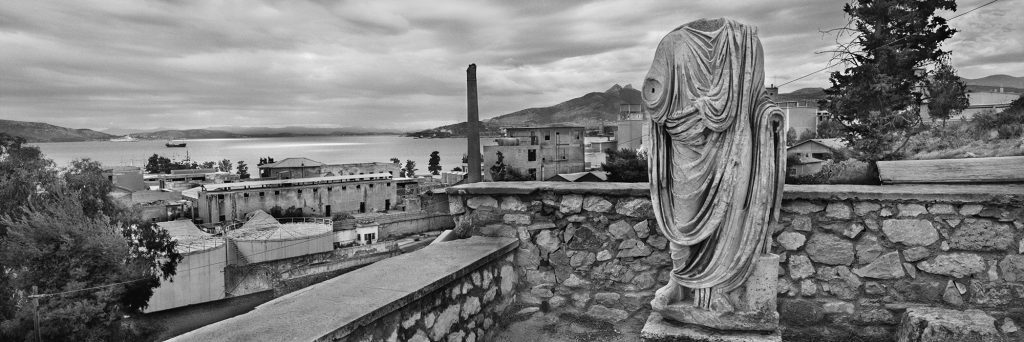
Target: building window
{"x": 277, "y": 192}
{"x": 531, "y": 155}
{"x": 547, "y": 137}
{"x": 371, "y": 186}
{"x": 261, "y": 193}
{"x": 533, "y": 173}
{"x": 315, "y": 190}
{"x": 220, "y": 197}
{"x": 344, "y": 187}
{"x": 300, "y": 191}
{"x": 245, "y": 195}
{"x": 389, "y": 184}
{"x": 328, "y": 188}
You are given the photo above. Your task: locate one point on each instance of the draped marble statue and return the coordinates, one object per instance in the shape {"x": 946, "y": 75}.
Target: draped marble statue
{"x": 716, "y": 163}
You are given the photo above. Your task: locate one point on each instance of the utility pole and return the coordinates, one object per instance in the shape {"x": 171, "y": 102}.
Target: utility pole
{"x": 35, "y": 301}
{"x": 473, "y": 128}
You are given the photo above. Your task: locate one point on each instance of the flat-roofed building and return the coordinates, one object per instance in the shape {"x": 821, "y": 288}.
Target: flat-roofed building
{"x": 128, "y": 178}
{"x": 313, "y": 196}
{"x": 538, "y": 152}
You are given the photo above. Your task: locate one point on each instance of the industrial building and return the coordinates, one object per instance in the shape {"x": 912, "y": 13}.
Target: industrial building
{"x": 200, "y": 274}
{"x": 538, "y": 152}
{"x": 305, "y": 168}
{"x": 315, "y": 196}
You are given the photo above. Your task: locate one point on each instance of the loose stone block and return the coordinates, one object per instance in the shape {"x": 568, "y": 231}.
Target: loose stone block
{"x": 597, "y": 204}
{"x": 830, "y": 249}
{"x": 952, "y": 296}
{"x": 957, "y": 265}
{"x": 927, "y": 324}
{"x": 791, "y": 241}
{"x": 982, "y": 236}
{"x": 865, "y": 208}
{"x": 911, "y": 210}
{"x": 641, "y": 229}
{"x": 800, "y": 266}
{"x": 547, "y": 241}
{"x": 1013, "y": 268}
{"x": 455, "y": 205}
{"x": 635, "y": 207}
{"x": 512, "y": 203}
{"x": 916, "y": 253}
{"x": 621, "y": 229}
{"x": 837, "y": 307}
{"x": 801, "y": 223}
{"x": 868, "y": 249}
{"x": 604, "y": 255}
{"x": 941, "y": 209}
{"x": 971, "y": 209}
{"x": 520, "y": 219}
{"x": 887, "y": 266}
{"x": 838, "y": 210}
{"x": 910, "y": 232}
{"x": 802, "y": 207}
{"x": 477, "y": 202}
{"x": 571, "y": 204}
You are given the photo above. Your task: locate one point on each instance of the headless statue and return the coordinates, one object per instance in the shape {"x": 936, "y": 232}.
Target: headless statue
{"x": 716, "y": 163}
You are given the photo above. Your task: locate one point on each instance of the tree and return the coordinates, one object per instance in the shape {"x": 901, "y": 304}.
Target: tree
{"x": 625, "y": 165}
{"x": 62, "y": 234}
{"x": 410, "y": 168}
{"x": 85, "y": 176}
{"x": 947, "y": 93}
{"x": 791, "y": 137}
{"x": 434, "y": 164}
{"x": 224, "y": 166}
{"x": 243, "y": 170}
{"x": 876, "y": 98}
{"x": 396, "y": 161}
{"x": 209, "y": 165}
{"x": 806, "y": 135}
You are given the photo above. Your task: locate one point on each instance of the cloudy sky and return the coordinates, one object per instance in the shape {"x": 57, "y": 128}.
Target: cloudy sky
{"x": 379, "y": 63}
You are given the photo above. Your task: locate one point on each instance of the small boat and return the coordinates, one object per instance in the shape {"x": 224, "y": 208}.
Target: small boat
{"x": 126, "y": 138}
{"x": 172, "y": 143}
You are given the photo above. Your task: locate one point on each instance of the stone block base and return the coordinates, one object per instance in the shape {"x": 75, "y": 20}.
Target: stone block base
{"x": 658, "y": 329}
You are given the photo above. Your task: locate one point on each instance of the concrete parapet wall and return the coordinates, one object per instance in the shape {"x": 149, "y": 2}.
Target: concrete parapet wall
{"x": 852, "y": 258}
{"x": 451, "y": 291}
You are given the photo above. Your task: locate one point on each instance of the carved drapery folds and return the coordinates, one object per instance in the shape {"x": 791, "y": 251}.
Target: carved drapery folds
{"x": 717, "y": 155}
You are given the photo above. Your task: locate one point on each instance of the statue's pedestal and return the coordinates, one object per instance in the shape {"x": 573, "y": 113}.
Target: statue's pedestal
{"x": 659, "y": 329}
{"x": 755, "y": 317}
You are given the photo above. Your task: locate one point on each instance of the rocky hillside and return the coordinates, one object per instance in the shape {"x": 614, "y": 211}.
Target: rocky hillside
{"x": 43, "y": 132}
{"x": 187, "y": 134}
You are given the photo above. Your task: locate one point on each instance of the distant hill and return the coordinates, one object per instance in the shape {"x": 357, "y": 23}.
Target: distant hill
{"x": 588, "y": 110}
{"x": 997, "y": 81}
{"x": 303, "y": 130}
{"x": 187, "y": 134}
{"x": 43, "y": 132}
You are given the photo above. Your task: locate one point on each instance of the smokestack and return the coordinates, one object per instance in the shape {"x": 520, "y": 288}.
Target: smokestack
{"x": 473, "y": 128}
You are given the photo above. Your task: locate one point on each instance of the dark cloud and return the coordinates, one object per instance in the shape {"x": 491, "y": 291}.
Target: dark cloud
{"x": 103, "y": 63}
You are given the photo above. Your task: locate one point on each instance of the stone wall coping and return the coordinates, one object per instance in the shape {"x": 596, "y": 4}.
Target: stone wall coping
{"x": 334, "y": 308}
{"x": 967, "y": 193}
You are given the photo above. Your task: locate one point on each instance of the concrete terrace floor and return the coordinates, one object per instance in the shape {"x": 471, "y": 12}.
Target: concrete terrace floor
{"x": 538, "y": 326}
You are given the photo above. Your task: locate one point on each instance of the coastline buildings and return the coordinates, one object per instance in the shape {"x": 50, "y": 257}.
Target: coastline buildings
{"x": 538, "y": 152}
{"x": 314, "y": 196}
{"x": 305, "y": 167}
{"x": 631, "y": 129}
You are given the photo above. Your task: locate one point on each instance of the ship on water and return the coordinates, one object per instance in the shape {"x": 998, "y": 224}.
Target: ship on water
{"x": 172, "y": 143}
{"x": 126, "y": 138}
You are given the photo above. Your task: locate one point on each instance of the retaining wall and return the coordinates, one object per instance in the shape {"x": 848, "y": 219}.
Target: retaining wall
{"x": 853, "y": 258}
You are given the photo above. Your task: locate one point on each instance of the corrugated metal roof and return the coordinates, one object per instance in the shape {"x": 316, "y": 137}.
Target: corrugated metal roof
{"x": 292, "y": 162}
{"x": 189, "y": 237}
{"x": 294, "y": 181}
{"x": 262, "y": 226}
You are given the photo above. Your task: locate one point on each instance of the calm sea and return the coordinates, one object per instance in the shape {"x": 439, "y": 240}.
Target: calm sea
{"x": 347, "y": 149}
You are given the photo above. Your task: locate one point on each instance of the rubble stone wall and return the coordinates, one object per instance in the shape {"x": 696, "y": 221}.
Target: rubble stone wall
{"x": 467, "y": 309}
{"x": 852, "y": 258}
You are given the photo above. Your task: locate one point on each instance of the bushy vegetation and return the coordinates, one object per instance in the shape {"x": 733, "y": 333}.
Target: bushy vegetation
{"x": 625, "y": 165}
{"x": 94, "y": 260}
{"x": 987, "y": 134}
{"x": 849, "y": 171}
